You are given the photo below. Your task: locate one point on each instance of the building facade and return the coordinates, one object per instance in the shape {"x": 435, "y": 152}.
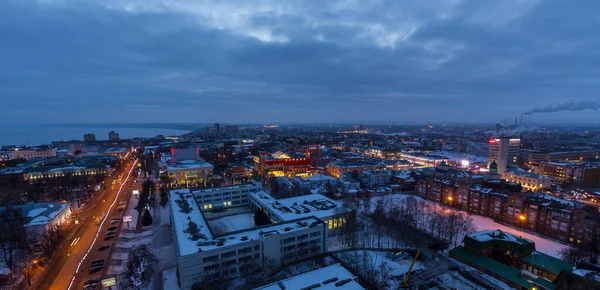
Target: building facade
{"x": 504, "y": 151}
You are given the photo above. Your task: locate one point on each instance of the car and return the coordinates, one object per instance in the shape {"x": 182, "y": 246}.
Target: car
{"x": 95, "y": 270}
{"x": 103, "y": 248}
{"x": 90, "y": 287}
{"x": 112, "y": 222}
{"x": 98, "y": 265}
{"x": 121, "y": 208}
{"x": 111, "y": 233}
{"x": 111, "y": 229}
{"x": 91, "y": 281}
{"x": 116, "y": 219}
{"x": 108, "y": 237}
{"x": 122, "y": 202}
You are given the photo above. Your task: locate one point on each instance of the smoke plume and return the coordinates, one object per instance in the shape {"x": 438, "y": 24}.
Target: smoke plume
{"x": 568, "y": 106}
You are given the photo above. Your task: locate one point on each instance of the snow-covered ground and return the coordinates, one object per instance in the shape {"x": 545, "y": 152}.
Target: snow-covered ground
{"x": 481, "y": 223}
{"x": 376, "y": 263}
{"x": 455, "y": 281}
{"x": 541, "y": 244}
{"x": 232, "y": 223}
{"x": 170, "y": 279}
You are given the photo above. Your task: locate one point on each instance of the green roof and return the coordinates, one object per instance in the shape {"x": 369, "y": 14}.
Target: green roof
{"x": 492, "y": 266}
{"x": 548, "y": 263}
{"x": 544, "y": 283}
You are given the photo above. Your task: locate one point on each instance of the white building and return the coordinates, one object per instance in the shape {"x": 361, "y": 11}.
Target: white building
{"x": 334, "y": 277}
{"x": 529, "y": 181}
{"x": 43, "y": 217}
{"x": 29, "y": 153}
{"x": 374, "y": 178}
{"x": 223, "y": 196}
{"x": 312, "y": 205}
{"x": 204, "y": 257}
{"x": 504, "y": 151}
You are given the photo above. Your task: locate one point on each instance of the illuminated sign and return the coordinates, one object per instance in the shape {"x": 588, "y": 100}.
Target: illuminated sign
{"x": 127, "y": 218}
{"x": 136, "y": 192}
{"x": 464, "y": 163}
{"x": 108, "y": 282}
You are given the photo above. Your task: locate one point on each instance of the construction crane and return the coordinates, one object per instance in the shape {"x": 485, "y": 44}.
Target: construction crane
{"x": 404, "y": 283}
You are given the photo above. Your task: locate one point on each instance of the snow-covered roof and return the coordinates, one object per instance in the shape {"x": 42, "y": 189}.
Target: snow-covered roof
{"x": 296, "y": 207}
{"x": 327, "y": 278}
{"x": 208, "y": 242}
{"x": 180, "y": 222}
{"x": 41, "y": 213}
{"x": 189, "y": 165}
{"x": 587, "y": 273}
{"x": 490, "y": 235}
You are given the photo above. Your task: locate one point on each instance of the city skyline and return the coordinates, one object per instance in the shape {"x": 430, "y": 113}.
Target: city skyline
{"x": 340, "y": 62}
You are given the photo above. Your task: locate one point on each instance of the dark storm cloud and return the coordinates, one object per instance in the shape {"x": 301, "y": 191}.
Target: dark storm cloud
{"x": 293, "y": 61}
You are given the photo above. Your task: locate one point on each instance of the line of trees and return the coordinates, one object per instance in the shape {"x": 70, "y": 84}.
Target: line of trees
{"x": 394, "y": 223}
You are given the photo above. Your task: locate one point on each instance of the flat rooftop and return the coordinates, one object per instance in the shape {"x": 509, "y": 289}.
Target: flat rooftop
{"x": 315, "y": 204}
{"x": 207, "y": 241}
{"x": 181, "y": 220}
{"x": 189, "y": 165}
{"x": 328, "y": 278}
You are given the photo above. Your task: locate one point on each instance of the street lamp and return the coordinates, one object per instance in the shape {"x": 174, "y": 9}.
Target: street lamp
{"x": 522, "y": 219}
{"x": 450, "y": 198}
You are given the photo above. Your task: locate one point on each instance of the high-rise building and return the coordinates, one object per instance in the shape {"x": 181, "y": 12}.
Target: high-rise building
{"x": 89, "y": 138}
{"x": 112, "y": 135}
{"x": 504, "y": 151}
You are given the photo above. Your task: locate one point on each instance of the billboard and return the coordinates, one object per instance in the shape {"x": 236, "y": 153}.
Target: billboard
{"x": 127, "y": 218}
{"x": 108, "y": 282}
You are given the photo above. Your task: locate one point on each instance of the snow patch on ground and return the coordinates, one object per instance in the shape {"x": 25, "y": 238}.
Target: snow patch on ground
{"x": 385, "y": 269}
{"x": 170, "y": 279}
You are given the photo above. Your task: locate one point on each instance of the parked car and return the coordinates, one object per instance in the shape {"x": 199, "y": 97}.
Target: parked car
{"x": 95, "y": 269}
{"x": 91, "y": 281}
{"x": 121, "y": 208}
{"x": 111, "y": 229}
{"x": 103, "y": 248}
{"x": 108, "y": 237}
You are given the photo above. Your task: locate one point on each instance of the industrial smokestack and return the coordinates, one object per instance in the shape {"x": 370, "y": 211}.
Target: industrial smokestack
{"x": 521, "y": 124}
{"x": 568, "y": 106}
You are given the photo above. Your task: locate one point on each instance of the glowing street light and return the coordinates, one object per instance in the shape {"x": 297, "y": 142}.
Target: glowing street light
{"x": 450, "y": 198}
{"x": 522, "y": 217}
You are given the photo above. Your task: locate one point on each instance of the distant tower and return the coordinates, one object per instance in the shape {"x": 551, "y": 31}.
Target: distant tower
{"x": 89, "y": 138}
{"x": 112, "y": 136}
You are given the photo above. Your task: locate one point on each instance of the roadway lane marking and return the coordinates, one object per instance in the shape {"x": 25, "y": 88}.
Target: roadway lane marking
{"x": 75, "y": 241}
{"x": 100, "y": 227}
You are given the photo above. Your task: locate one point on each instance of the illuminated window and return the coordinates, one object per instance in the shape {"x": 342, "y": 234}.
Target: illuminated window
{"x": 330, "y": 224}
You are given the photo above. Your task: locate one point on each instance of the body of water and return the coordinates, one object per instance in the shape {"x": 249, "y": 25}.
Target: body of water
{"x": 44, "y": 134}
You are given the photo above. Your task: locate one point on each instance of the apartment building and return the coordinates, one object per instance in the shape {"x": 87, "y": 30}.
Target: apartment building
{"x": 205, "y": 258}
{"x": 560, "y": 219}
{"x": 560, "y": 172}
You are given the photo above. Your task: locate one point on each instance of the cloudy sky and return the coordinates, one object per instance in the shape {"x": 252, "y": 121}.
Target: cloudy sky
{"x": 240, "y": 61}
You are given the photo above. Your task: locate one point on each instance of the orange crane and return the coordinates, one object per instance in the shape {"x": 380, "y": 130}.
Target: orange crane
{"x": 404, "y": 283}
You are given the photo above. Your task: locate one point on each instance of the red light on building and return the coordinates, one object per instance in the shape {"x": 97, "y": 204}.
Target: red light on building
{"x": 493, "y": 141}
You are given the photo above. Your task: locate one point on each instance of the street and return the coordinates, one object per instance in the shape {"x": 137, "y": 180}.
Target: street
{"x": 74, "y": 262}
